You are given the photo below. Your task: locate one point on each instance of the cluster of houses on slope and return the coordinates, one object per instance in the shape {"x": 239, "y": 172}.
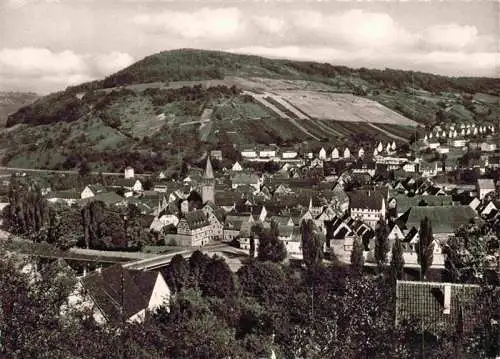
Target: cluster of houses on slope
{"x": 470, "y": 136}
{"x": 274, "y": 153}
{"x": 459, "y": 133}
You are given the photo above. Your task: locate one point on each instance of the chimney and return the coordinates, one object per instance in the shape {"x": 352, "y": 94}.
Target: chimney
{"x": 447, "y": 299}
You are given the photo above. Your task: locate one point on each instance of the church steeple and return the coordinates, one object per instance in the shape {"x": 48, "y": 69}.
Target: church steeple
{"x": 209, "y": 172}
{"x": 208, "y": 188}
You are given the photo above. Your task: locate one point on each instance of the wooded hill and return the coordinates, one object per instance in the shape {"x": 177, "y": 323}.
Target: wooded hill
{"x": 153, "y": 114}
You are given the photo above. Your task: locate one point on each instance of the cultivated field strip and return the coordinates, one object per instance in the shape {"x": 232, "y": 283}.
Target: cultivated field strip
{"x": 342, "y": 107}
{"x": 298, "y": 114}
{"x": 267, "y": 104}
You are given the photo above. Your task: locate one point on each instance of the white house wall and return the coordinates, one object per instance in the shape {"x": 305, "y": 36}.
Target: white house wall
{"x": 161, "y": 294}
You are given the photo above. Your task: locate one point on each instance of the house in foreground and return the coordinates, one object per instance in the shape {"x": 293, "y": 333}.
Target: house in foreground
{"x": 116, "y": 294}
{"x": 437, "y": 305}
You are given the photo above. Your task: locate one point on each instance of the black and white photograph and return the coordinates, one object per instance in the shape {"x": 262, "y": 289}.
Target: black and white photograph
{"x": 254, "y": 179}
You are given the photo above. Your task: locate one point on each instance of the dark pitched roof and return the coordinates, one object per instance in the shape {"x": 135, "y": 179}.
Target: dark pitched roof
{"x": 410, "y": 235}
{"x": 403, "y": 202}
{"x": 125, "y": 182}
{"x": 196, "y": 219}
{"x": 369, "y": 199}
{"x": 235, "y": 222}
{"x": 116, "y": 287}
{"x": 145, "y": 280}
{"x": 227, "y": 198}
{"x": 424, "y": 301}
{"x": 444, "y": 219}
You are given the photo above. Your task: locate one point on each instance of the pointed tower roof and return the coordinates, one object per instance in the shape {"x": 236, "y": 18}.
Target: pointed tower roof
{"x": 209, "y": 172}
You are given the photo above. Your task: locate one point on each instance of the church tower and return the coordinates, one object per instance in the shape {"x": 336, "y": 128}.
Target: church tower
{"x": 208, "y": 186}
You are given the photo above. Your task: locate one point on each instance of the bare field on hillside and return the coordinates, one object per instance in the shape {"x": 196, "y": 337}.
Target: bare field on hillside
{"x": 343, "y": 107}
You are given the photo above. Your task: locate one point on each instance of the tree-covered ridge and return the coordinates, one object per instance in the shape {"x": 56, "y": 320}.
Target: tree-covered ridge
{"x": 192, "y": 64}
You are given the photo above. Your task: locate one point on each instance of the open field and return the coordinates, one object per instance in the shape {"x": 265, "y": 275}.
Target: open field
{"x": 343, "y": 107}
{"x": 282, "y": 112}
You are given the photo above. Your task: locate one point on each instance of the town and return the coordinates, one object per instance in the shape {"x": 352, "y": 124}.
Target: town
{"x": 226, "y": 180}
{"x": 357, "y": 206}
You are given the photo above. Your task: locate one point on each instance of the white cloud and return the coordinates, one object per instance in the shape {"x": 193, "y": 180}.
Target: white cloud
{"x": 112, "y": 62}
{"x": 32, "y": 61}
{"x": 15, "y": 4}
{"x": 449, "y": 36}
{"x": 352, "y": 28}
{"x": 270, "y": 24}
{"x": 44, "y": 70}
{"x": 220, "y": 23}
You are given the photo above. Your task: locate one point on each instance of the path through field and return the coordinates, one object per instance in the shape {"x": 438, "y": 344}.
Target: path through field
{"x": 206, "y": 124}
{"x": 396, "y": 137}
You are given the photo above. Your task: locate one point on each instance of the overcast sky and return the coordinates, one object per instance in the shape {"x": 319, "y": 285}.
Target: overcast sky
{"x": 46, "y": 45}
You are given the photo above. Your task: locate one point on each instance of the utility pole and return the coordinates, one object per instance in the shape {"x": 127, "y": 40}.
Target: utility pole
{"x": 122, "y": 316}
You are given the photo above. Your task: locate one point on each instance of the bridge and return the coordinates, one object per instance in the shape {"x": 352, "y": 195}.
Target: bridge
{"x": 163, "y": 260}
{"x": 130, "y": 260}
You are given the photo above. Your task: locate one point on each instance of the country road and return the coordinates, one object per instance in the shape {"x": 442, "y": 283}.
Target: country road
{"x": 396, "y": 137}
{"x": 39, "y": 170}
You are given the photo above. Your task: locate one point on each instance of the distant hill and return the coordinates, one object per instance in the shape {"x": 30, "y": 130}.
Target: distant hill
{"x": 10, "y": 102}
{"x": 149, "y": 114}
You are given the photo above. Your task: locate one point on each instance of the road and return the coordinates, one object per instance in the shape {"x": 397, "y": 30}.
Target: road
{"x": 39, "y": 170}
{"x": 388, "y": 133}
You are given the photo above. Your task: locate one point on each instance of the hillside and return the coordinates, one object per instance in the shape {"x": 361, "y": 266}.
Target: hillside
{"x": 174, "y": 105}
{"x": 10, "y": 102}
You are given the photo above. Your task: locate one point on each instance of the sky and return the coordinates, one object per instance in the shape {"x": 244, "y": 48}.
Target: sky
{"x": 47, "y": 45}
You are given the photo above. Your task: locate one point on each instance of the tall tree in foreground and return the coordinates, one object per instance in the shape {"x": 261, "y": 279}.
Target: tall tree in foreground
{"x": 397, "y": 260}
{"x": 467, "y": 254}
{"x": 357, "y": 258}
{"x": 425, "y": 247}
{"x": 381, "y": 242}
{"x": 177, "y": 273}
{"x": 270, "y": 247}
{"x": 312, "y": 244}
{"x": 252, "y": 244}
